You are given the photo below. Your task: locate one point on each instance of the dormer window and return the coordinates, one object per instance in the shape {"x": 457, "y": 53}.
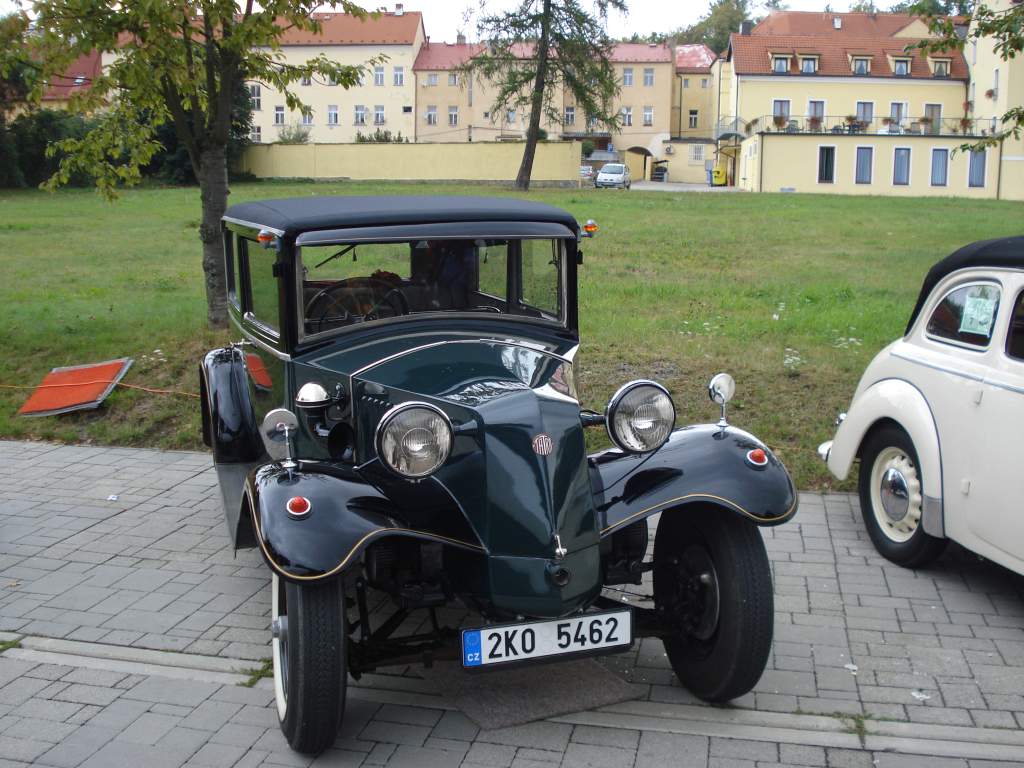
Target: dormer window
{"x": 809, "y": 65}
{"x": 780, "y": 65}
{"x": 940, "y": 68}
{"x": 861, "y": 66}
{"x": 901, "y": 67}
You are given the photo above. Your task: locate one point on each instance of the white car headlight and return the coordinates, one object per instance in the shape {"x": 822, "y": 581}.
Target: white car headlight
{"x": 414, "y": 439}
{"x": 640, "y": 417}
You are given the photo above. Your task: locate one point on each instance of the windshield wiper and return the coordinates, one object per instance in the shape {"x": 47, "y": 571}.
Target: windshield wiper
{"x": 332, "y": 257}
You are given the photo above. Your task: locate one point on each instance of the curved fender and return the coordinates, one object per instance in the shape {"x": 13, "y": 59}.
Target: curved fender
{"x": 346, "y": 514}
{"x": 703, "y": 463}
{"x": 229, "y": 421}
{"x": 903, "y": 403}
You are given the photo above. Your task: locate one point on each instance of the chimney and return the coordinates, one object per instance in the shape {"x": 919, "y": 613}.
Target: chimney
{"x": 837, "y": 22}
{"x": 460, "y": 39}
{"x": 746, "y": 27}
{"x": 399, "y": 9}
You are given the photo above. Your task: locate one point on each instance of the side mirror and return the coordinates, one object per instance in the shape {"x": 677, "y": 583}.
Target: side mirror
{"x": 277, "y": 430}
{"x": 721, "y": 389}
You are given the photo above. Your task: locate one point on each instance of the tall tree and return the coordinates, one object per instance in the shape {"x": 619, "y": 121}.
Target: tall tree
{"x": 15, "y": 84}
{"x": 177, "y": 62}
{"x": 864, "y": 6}
{"x": 540, "y": 48}
{"x": 722, "y": 19}
{"x": 1003, "y": 30}
{"x": 933, "y": 7}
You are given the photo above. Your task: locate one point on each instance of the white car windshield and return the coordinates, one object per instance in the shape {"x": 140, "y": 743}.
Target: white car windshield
{"x": 615, "y": 169}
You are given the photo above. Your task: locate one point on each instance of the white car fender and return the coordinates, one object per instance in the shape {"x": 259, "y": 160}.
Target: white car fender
{"x": 899, "y": 401}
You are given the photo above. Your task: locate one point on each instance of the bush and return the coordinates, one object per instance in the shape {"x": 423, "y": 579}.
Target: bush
{"x": 380, "y": 137}
{"x": 293, "y": 134}
{"x": 32, "y": 133}
{"x": 588, "y": 147}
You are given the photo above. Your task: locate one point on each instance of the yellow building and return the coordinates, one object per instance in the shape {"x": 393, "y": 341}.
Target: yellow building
{"x": 691, "y": 148}
{"x": 386, "y": 98}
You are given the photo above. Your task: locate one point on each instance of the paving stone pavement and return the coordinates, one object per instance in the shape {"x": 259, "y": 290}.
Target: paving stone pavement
{"x": 111, "y": 557}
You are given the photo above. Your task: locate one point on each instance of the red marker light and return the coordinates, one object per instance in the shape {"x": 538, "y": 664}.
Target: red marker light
{"x": 757, "y": 457}
{"x": 266, "y": 238}
{"x": 298, "y": 506}
{"x": 590, "y": 226}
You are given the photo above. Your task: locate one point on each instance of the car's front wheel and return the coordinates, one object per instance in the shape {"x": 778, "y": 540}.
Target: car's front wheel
{"x": 713, "y": 595}
{"x": 891, "y": 499}
{"x": 309, "y": 659}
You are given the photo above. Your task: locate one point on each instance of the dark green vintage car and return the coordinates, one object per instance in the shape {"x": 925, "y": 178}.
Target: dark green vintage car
{"x": 401, "y": 417}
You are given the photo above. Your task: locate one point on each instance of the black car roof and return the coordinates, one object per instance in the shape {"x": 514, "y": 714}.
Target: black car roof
{"x": 304, "y": 214}
{"x": 1007, "y": 252}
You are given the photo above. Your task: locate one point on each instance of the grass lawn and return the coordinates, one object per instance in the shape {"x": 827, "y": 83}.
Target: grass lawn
{"x": 792, "y": 294}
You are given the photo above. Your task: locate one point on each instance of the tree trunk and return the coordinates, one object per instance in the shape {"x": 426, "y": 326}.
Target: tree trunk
{"x": 213, "y": 185}
{"x": 536, "y": 101}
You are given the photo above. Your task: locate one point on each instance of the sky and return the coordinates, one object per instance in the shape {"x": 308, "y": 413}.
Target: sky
{"x": 444, "y": 18}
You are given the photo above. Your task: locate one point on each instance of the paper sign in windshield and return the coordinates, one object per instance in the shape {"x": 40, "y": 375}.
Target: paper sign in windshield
{"x": 978, "y": 315}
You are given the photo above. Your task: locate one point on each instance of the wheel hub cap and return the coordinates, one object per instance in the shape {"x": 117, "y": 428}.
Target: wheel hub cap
{"x": 895, "y": 494}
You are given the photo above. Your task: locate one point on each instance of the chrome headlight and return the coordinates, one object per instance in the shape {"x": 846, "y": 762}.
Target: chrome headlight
{"x": 414, "y": 439}
{"x": 640, "y": 417}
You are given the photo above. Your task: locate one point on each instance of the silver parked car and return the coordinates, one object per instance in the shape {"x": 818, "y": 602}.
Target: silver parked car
{"x": 613, "y": 175}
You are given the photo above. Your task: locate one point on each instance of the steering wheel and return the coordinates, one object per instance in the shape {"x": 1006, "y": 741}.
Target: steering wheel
{"x": 392, "y": 300}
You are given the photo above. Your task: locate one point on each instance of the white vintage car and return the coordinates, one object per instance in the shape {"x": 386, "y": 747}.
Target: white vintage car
{"x": 937, "y": 420}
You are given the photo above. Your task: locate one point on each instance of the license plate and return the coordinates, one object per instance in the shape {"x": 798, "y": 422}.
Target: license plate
{"x": 589, "y": 632}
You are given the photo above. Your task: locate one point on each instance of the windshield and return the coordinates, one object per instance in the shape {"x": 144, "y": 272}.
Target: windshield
{"x": 345, "y": 284}
{"x": 614, "y": 168}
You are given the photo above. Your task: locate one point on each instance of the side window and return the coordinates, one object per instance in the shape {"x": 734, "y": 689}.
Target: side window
{"x": 231, "y": 267}
{"x": 966, "y": 315}
{"x": 1015, "y": 333}
{"x": 542, "y": 274}
{"x": 263, "y": 286}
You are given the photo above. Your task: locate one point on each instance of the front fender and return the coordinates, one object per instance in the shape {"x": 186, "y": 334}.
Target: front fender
{"x": 346, "y": 515}
{"x": 890, "y": 400}
{"x": 702, "y": 463}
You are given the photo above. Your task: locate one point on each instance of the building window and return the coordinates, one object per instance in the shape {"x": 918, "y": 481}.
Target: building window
{"x": 279, "y": 115}
{"x": 697, "y": 153}
{"x": 861, "y": 66}
{"x": 648, "y": 116}
{"x": 570, "y": 115}
{"x": 627, "y": 76}
{"x": 360, "y": 114}
{"x": 378, "y": 114}
{"x": 332, "y": 114}
{"x": 976, "y": 172}
{"x": 627, "y": 116}
{"x": 780, "y": 65}
{"x": 974, "y": 51}
{"x": 510, "y": 116}
{"x": 254, "y": 96}
{"x": 255, "y": 135}
{"x": 780, "y": 108}
{"x": 865, "y": 111}
{"x": 704, "y": 83}
{"x": 432, "y": 78}
{"x": 453, "y": 78}
{"x": 686, "y": 82}
{"x": 407, "y": 109}
{"x": 816, "y": 108}
{"x": 648, "y": 76}
{"x": 826, "y": 165}
{"x": 398, "y": 76}
{"x": 941, "y": 68}
{"x": 940, "y": 167}
{"x": 902, "y": 68}
{"x": 692, "y": 122}
{"x": 934, "y": 114}
{"x": 901, "y": 166}
{"x": 307, "y": 118}
{"x": 432, "y": 115}
{"x": 995, "y": 83}
{"x": 865, "y": 164}
{"x": 378, "y": 75}
{"x": 453, "y": 115}
{"x": 307, "y": 80}
{"x": 809, "y": 65}
{"x": 897, "y": 111}
{"x": 966, "y": 315}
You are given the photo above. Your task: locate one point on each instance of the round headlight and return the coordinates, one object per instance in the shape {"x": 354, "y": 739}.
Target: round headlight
{"x": 414, "y": 439}
{"x": 640, "y": 417}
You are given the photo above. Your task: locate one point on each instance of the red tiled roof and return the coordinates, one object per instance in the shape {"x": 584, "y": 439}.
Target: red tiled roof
{"x": 445, "y": 56}
{"x": 77, "y": 77}
{"x": 343, "y": 29}
{"x": 822, "y": 23}
{"x": 694, "y": 57}
{"x": 751, "y": 55}
{"x": 641, "y": 53}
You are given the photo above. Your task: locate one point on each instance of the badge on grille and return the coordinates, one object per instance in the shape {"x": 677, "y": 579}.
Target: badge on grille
{"x": 543, "y": 444}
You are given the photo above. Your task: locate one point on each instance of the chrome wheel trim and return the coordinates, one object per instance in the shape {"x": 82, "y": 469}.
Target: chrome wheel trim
{"x": 896, "y": 494}
{"x": 279, "y": 647}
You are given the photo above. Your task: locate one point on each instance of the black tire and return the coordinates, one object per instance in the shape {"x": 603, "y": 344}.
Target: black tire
{"x": 718, "y": 654}
{"x": 890, "y": 445}
{"x": 315, "y": 665}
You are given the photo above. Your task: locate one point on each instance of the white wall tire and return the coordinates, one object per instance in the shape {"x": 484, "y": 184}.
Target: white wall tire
{"x": 891, "y": 498}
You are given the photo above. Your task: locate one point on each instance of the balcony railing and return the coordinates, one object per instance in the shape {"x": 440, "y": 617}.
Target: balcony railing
{"x": 884, "y": 126}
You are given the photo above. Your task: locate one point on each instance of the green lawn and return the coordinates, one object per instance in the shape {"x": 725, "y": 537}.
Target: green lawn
{"x": 792, "y": 294}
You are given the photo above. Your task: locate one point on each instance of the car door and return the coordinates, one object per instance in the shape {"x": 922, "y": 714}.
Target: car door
{"x": 995, "y": 496}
